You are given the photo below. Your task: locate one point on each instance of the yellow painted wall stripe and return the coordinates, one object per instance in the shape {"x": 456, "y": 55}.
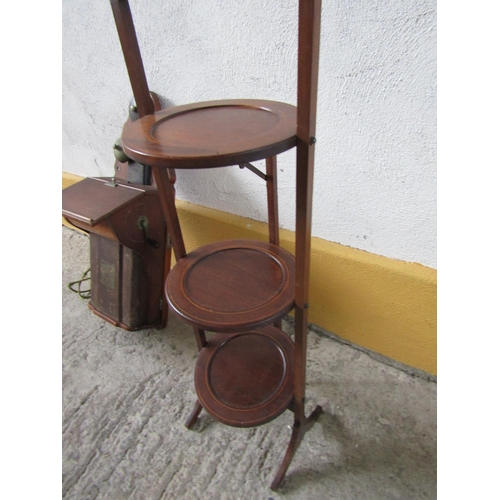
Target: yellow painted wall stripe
{"x": 384, "y": 305}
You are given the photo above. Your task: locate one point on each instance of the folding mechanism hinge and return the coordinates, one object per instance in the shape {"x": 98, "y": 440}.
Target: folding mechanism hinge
{"x": 111, "y": 183}
{"x": 254, "y": 169}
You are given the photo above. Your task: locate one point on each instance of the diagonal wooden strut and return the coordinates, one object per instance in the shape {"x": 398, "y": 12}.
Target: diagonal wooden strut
{"x": 132, "y": 55}
{"x": 193, "y": 416}
{"x": 254, "y": 169}
{"x": 201, "y": 341}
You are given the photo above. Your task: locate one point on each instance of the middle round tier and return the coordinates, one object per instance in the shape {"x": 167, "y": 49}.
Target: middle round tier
{"x": 232, "y": 286}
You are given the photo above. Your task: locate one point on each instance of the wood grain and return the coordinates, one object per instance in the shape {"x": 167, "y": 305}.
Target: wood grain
{"x": 211, "y": 134}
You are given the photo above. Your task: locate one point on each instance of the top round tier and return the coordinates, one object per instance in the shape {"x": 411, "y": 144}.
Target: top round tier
{"x": 211, "y": 134}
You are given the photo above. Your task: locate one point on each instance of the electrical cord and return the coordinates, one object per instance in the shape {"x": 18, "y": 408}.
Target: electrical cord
{"x": 84, "y": 294}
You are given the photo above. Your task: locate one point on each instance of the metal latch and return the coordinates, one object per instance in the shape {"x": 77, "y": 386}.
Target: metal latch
{"x": 142, "y": 224}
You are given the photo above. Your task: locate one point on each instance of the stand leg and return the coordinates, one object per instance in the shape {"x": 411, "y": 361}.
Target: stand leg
{"x": 194, "y": 415}
{"x": 201, "y": 341}
{"x": 299, "y": 429}
{"x": 167, "y": 265}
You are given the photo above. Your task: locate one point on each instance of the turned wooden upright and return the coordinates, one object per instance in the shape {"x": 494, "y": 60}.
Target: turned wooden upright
{"x": 250, "y": 371}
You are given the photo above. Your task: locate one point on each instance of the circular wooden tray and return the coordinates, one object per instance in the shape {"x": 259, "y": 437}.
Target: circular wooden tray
{"x": 246, "y": 379}
{"x": 232, "y": 286}
{"x": 211, "y": 134}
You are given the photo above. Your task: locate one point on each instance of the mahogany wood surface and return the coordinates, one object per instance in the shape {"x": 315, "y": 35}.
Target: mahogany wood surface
{"x": 232, "y": 286}
{"x": 308, "y": 60}
{"x": 245, "y": 379}
{"x": 193, "y": 416}
{"x": 130, "y": 47}
{"x": 298, "y": 432}
{"x": 308, "y": 57}
{"x": 93, "y": 200}
{"x": 211, "y": 134}
{"x": 272, "y": 199}
{"x": 166, "y": 193}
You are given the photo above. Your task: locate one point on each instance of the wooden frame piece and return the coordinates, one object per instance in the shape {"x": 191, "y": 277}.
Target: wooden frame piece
{"x": 308, "y": 60}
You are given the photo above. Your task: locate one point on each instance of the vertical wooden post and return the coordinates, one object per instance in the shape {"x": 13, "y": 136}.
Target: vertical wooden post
{"x": 308, "y": 59}
{"x": 272, "y": 200}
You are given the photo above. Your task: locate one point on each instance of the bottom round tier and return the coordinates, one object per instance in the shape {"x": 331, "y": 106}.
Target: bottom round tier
{"x": 246, "y": 379}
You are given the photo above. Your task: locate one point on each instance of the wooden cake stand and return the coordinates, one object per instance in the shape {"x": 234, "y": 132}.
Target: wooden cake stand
{"x": 250, "y": 371}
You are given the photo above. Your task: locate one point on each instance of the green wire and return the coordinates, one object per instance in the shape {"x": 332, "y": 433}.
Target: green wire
{"x": 84, "y": 294}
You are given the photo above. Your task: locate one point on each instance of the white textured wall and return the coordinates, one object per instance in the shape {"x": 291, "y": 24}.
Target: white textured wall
{"x": 375, "y": 177}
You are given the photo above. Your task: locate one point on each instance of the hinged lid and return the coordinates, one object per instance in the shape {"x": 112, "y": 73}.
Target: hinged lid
{"x": 95, "y": 199}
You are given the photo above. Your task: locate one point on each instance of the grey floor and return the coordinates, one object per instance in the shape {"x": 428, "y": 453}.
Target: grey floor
{"x": 126, "y": 396}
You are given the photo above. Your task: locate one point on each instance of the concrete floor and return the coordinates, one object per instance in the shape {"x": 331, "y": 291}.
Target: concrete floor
{"x": 126, "y": 396}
